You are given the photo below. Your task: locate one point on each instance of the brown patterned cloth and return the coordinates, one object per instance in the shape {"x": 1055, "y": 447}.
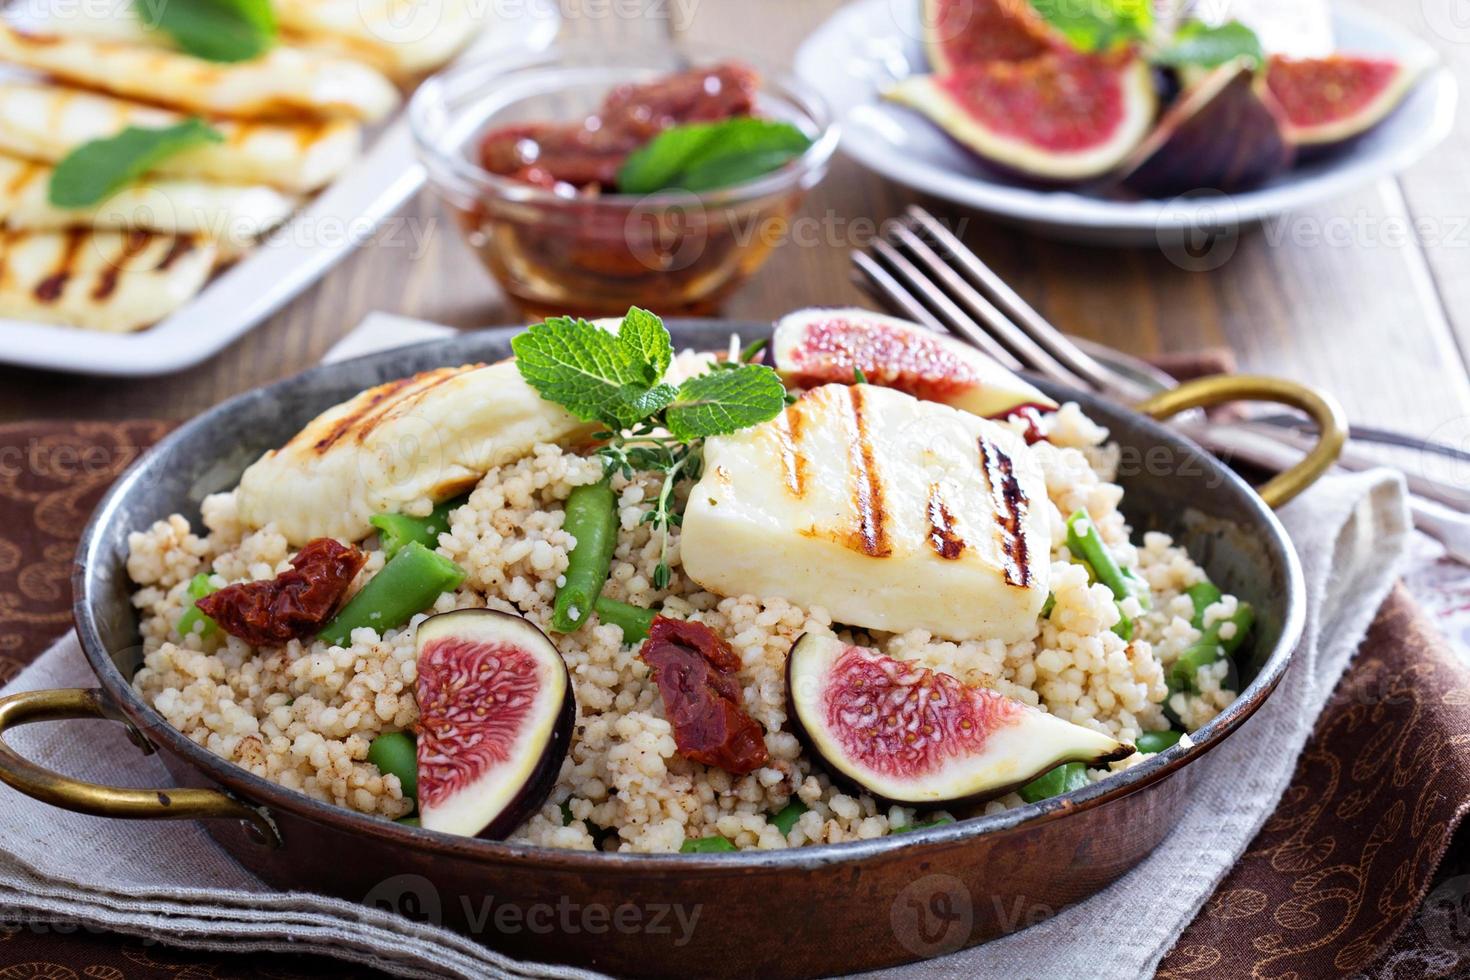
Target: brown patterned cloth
{"x": 1337, "y": 873}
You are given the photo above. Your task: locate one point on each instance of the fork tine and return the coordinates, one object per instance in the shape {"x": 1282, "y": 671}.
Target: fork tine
{"x": 1075, "y": 359}
{"x": 1017, "y": 340}
{"x": 950, "y": 315}
{"x": 881, "y": 284}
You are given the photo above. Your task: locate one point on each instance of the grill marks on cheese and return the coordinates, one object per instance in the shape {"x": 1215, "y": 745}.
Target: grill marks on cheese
{"x": 398, "y": 445}
{"x": 105, "y": 280}
{"x": 884, "y": 510}
{"x": 869, "y": 532}
{"x": 1010, "y": 505}
{"x": 867, "y": 485}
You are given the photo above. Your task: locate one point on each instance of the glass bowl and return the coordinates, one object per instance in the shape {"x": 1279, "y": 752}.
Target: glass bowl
{"x": 675, "y": 252}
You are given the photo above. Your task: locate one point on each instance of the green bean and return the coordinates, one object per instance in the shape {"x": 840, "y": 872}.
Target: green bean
{"x": 1062, "y": 779}
{"x": 592, "y": 519}
{"x": 1204, "y": 595}
{"x": 1085, "y": 543}
{"x": 1210, "y": 648}
{"x": 1048, "y": 605}
{"x": 1137, "y": 587}
{"x": 199, "y": 587}
{"x": 395, "y": 531}
{"x": 788, "y": 816}
{"x": 408, "y": 821}
{"x": 1087, "y": 547}
{"x": 706, "y": 845}
{"x": 566, "y": 814}
{"x": 1151, "y": 742}
{"x": 396, "y": 753}
{"x": 407, "y": 585}
{"x": 936, "y": 822}
{"x": 635, "y": 621}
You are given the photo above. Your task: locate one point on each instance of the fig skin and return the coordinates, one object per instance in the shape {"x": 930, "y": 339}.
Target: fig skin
{"x": 541, "y": 775}
{"x": 1222, "y": 133}
{"x": 849, "y": 783}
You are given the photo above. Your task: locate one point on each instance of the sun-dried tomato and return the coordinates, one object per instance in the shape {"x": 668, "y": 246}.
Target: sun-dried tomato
{"x": 695, "y": 673}
{"x": 293, "y": 605}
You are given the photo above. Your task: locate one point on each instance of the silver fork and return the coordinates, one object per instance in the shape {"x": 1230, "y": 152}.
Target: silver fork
{"x": 923, "y": 271}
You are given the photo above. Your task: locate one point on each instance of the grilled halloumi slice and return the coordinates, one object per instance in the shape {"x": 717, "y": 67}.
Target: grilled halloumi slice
{"x": 236, "y": 214}
{"x": 396, "y": 446}
{"x": 398, "y": 37}
{"x": 891, "y": 513}
{"x": 401, "y": 37}
{"x": 283, "y": 82}
{"x": 46, "y": 122}
{"x": 113, "y": 281}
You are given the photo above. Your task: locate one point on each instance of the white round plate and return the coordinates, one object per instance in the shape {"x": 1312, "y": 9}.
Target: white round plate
{"x": 870, "y": 44}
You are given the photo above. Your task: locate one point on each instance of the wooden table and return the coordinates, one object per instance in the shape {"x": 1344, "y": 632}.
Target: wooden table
{"x": 1334, "y": 295}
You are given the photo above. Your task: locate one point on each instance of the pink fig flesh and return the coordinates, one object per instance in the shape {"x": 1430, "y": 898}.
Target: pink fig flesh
{"x": 495, "y": 718}
{"x": 830, "y": 346}
{"x": 907, "y": 734}
{"x": 1331, "y": 101}
{"x": 969, "y": 32}
{"x": 1058, "y": 118}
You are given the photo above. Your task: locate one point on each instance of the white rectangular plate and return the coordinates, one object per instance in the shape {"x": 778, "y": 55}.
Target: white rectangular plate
{"x": 317, "y": 237}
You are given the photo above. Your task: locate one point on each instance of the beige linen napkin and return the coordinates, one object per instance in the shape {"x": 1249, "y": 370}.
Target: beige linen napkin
{"x": 169, "y": 882}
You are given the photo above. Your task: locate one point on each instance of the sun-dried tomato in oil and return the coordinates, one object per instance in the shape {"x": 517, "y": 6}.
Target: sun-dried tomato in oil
{"x": 292, "y": 606}
{"x": 695, "y": 672}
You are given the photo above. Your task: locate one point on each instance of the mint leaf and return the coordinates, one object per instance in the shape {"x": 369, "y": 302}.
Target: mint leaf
{"x": 655, "y": 165}
{"x": 215, "y": 30}
{"x": 652, "y": 401}
{"x": 1098, "y": 25}
{"x": 735, "y": 168}
{"x": 704, "y": 156}
{"x": 96, "y": 170}
{"x": 647, "y": 339}
{"x": 722, "y": 402}
{"x": 1197, "y": 43}
{"x": 588, "y": 371}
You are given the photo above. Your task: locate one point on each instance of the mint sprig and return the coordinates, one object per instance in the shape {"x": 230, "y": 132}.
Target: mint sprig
{"x": 1197, "y": 43}
{"x": 1098, "y": 25}
{"x": 617, "y": 379}
{"x": 98, "y": 169}
{"x": 706, "y": 156}
{"x": 215, "y": 30}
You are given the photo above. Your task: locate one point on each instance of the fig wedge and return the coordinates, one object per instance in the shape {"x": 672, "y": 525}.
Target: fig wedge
{"x": 1329, "y": 102}
{"x": 495, "y": 720}
{"x": 969, "y": 32}
{"x": 1224, "y": 132}
{"x": 1059, "y": 118}
{"x": 818, "y": 346}
{"x": 906, "y": 734}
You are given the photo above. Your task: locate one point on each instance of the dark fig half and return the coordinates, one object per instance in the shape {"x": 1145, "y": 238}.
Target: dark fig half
{"x": 495, "y": 721}
{"x": 1329, "y": 102}
{"x": 820, "y": 346}
{"x": 907, "y": 734}
{"x": 1060, "y": 118}
{"x": 1222, "y": 133}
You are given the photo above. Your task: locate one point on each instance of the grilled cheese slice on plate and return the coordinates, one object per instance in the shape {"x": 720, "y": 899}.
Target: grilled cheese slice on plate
{"x": 237, "y": 214}
{"x": 283, "y": 82}
{"x": 46, "y": 122}
{"x": 113, "y": 281}
{"x": 891, "y": 513}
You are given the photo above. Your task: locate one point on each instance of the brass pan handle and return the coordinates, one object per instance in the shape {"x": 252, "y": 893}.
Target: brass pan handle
{"x": 30, "y": 707}
{"x": 1332, "y": 425}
